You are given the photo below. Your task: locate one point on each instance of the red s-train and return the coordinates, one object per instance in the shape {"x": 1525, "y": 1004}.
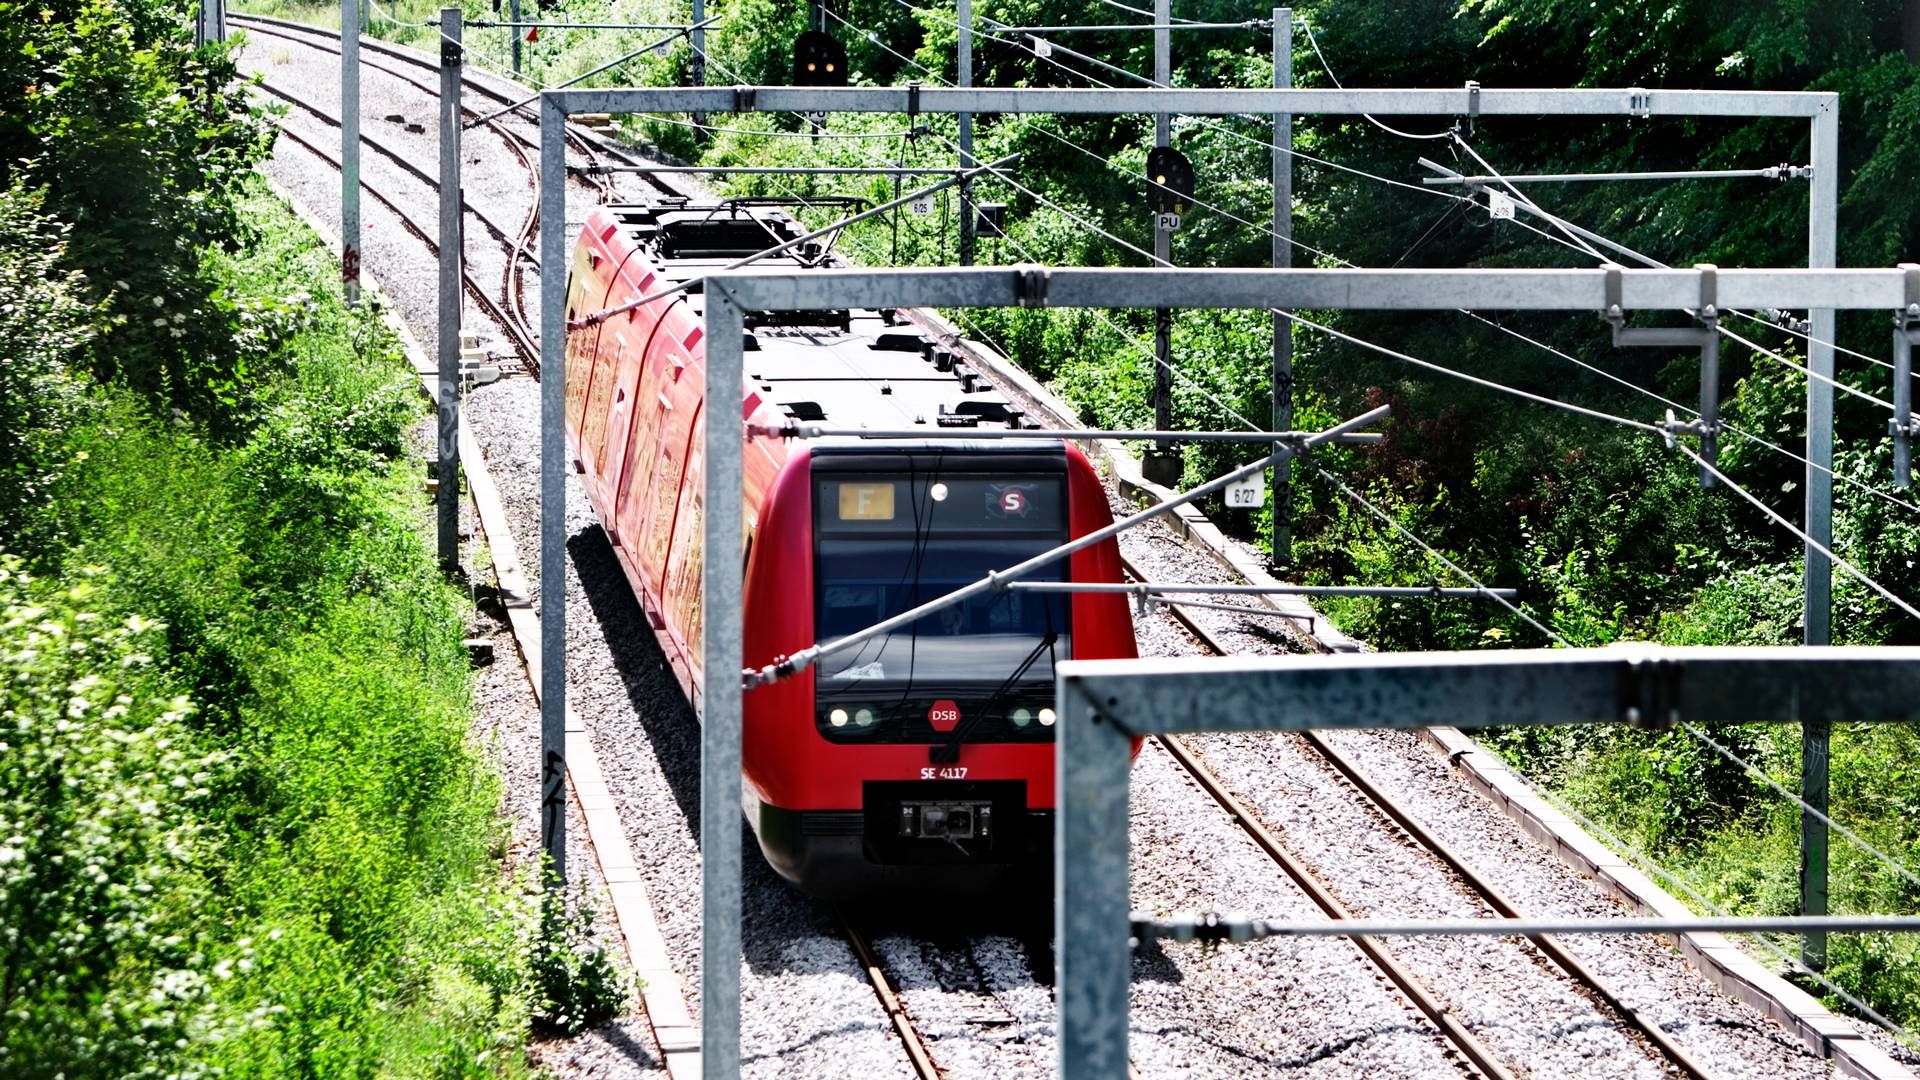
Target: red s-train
{"x": 923, "y": 760}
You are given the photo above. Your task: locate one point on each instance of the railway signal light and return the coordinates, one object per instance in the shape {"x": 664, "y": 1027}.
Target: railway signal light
{"x": 819, "y": 60}
{"x": 1169, "y": 181}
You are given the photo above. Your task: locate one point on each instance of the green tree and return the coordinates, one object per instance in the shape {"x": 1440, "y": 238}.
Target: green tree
{"x": 141, "y": 140}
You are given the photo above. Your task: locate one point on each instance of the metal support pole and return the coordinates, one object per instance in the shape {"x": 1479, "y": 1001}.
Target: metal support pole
{"x": 697, "y": 38}
{"x": 1162, "y": 239}
{"x": 211, "y": 26}
{"x": 963, "y": 14}
{"x": 1093, "y": 959}
{"x": 553, "y": 490}
{"x": 721, "y": 694}
{"x": 1906, "y": 330}
{"x": 451, "y": 294}
{"x": 1709, "y": 315}
{"x": 513, "y": 34}
{"x": 1282, "y": 545}
{"x": 1822, "y": 210}
{"x": 350, "y": 149}
{"x": 1814, "y": 741}
{"x": 1710, "y": 400}
{"x": 1902, "y": 422}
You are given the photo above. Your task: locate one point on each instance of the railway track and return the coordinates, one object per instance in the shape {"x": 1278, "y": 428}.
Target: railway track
{"x": 1418, "y": 834}
{"x": 508, "y": 311}
{"x": 915, "y": 1047}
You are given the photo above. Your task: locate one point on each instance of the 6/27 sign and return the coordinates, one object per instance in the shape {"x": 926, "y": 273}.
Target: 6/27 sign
{"x": 1248, "y": 494}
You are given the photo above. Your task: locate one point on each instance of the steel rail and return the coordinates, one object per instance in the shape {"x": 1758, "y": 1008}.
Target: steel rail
{"x": 519, "y": 246}
{"x": 513, "y": 315}
{"x": 492, "y": 307}
{"x": 516, "y": 244}
{"x": 304, "y": 34}
{"x": 407, "y": 166}
{"x": 1549, "y": 946}
{"x": 1464, "y": 1040}
{"x": 890, "y": 1003}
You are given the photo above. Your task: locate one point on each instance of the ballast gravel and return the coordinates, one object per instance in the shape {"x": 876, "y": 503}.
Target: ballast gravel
{"x": 1375, "y": 870}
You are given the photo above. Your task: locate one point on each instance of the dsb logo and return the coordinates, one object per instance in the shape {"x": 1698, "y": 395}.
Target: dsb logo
{"x": 944, "y": 715}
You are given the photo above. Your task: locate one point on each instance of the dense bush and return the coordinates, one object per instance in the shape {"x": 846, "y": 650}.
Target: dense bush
{"x": 105, "y": 965}
{"x": 242, "y": 830}
{"x": 44, "y": 323}
{"x": 142, "y": 142}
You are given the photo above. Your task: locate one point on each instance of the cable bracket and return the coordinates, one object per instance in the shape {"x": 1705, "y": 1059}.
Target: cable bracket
{"x": 1473, "y": 104}
{"x": 744, "y": 97}
{"x": 1649, "y": 690}
{"x": 1030, "y": 286}
{"x": 1611, "y": 309}
{"x": 914, "y": 127}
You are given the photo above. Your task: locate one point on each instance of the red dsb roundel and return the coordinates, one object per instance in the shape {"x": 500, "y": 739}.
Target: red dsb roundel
{"x": 1013, "y": 501}
{"x": 944, "y": 715}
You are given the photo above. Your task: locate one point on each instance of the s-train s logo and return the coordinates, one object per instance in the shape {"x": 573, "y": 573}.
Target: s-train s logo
{"x": 1009, "y": 500}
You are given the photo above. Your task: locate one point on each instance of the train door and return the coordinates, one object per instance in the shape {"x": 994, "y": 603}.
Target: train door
{"x": 683, "y": 557}
{"x": 669, "y": 464}
{"x": 652, "y": 406}
{"x": 582, "y": 345}
{"x": 591, "y": 385}
{"x": 630, "y": 404}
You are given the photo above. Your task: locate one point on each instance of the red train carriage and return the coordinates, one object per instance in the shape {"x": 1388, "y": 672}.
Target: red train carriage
{"x": 924, "y": 759}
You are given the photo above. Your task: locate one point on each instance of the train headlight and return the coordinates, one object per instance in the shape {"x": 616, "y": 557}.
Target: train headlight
{"x": 939, "y": 492}
{"x": 838, "y": 718}
{"x": 1046, "y": 717}
{"x": 1021, "y": 717}
{"x": 864, "y": 717}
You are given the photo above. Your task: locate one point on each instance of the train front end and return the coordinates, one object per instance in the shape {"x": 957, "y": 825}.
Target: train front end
{"x": 919, "y": 760}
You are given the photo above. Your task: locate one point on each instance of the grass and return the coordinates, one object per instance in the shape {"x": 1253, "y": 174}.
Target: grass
{"x": 315, "y": 885}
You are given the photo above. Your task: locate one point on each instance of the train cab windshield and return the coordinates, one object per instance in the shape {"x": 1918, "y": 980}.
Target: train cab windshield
{"x": 885, "y": 543}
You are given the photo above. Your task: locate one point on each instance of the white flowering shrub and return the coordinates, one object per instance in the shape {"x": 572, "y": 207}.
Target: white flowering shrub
{"x": 44, "y": 326}
{"x": 100, "y": 973}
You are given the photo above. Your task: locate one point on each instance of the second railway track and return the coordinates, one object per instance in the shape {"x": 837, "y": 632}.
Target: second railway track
{"x": 1419, "y": 835}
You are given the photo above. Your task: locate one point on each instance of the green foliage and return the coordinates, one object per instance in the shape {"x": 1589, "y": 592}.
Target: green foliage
{"x": 575, "y": 985}
{"x": 103, "y": 965}
{"x": 328, "y": 901}
{"x": 143, "y": 143}
{"x": 44, "y": 324}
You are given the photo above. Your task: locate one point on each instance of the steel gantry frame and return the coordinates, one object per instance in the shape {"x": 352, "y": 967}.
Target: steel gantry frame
{"x": 1104, "y": 705}
{"x": 1819, "y": 289}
